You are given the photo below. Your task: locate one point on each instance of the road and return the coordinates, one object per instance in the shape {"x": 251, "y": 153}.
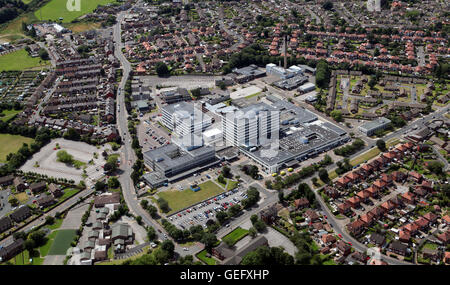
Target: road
{"x": 127, "y": 152}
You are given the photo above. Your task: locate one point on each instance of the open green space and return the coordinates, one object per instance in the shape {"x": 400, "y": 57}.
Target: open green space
{"x": 56, "y": 9}
{"x": 11, "y": 144}
{"x": 231, "y": 184}
{"x": 46, "y": 247}
{"x": 20, "y": 60}
{"x": 181, "y": 199}
{"x": 9, "y": 114}
{"x": 23, "y": 258}
{"x": 235, "y": 236}
{"x": 208, "y": 260}
{"x": 55, "y": 225}
{"x": 62, "y": 242}
{"x": 120, "y": 261}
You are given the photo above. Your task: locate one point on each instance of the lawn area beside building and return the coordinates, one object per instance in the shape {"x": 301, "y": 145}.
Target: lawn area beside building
{"x": 20, "y": 60}
{"x": 235, "y": 236}
{"x": 181, "y": 199}
{"x": 11, "y": 143}
{"x": 207, "y": 260}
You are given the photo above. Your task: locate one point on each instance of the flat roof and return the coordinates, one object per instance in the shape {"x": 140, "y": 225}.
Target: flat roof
{"x": 375, "y": 123}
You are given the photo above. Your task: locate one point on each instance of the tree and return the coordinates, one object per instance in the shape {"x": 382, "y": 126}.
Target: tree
{"x": 336, "y": 115}
{"x": 43, "y": 54}
{"x": 435, "y": 167}
{"x": 323, "y": 175}
{"x": 162, "y": 69}
{"x": 253, "y": 232}
{"x": 29, "y": 245}
{"x": 168, "y": 246}
{"x": 209, "y": 240}
{"x": 163, "y": 205}
{"x": 49, "y": 220}
{"x": 151, "y": 234}
{"x": 13, "y": 201}
{"x": 221, "y": 179}
{"x": 226, "y": 172}
{"x": 38, "y": 237}
{"x": 72, "y": 134}
{"x": 152, "y": 211}
{"x": 65, "y": 157}
{"x": 139, "y": 220}
{"x": 20, "y": 235}
{"x": 113, "y": 182}
{"x": 100, "y": 186}
{"x": 144, "y": 204}
{"x": 259, "y": 225}
{"x": 234, "y": 210}
{"x": 381, "y": 144}
{"x": 281, "y": 196}
{"x": 221, "y": 217}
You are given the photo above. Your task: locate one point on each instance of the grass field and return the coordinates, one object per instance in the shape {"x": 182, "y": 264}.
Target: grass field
{"x": 181, "y": 199}
{"x": 56, "y": 9}
{"x": 20, "y": 60}
{"x": 235, "y": 236}
{"x": 13, "y": 29}
{"x": 208, "y": 260}
{"x": 22, "y": 197}
{"x": 24, "y": 259}
{"x": 9, "y": 114}
{"x": 11, "y": 143}
{"x": 231, "y": 184}
{"x": 62, "y": 242}
{"x": 82, "y": 26}
{"x": 46, "y": 247}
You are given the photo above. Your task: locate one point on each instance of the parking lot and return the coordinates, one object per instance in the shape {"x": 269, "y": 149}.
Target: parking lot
{"x": 151, "y": 135}
{"x": 200, "y": 213}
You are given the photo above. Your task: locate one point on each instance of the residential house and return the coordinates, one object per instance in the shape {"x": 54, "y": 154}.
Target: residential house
{"x": 45, "y": 201}
{"x": 11, "y": 250}
{"x": 6, "y": 180}
{"x": 398, "y": 247}
{"x": 311, "y": 215}
{"x": 20, "y": 214}
{"x": 422, "y": 223}
{"x": 5, "y": 224}
{"x": 343, "y": 248}
{"x": 122, "y": 235}
{"x": 404, "y": 236}
{"x": 411, "y": 228}
{"x": 328, "y": 239}
{"x": 432, "y": 254}
{"x": 356, "y": 227}
{"x": 55, "y": 190}
{"x": 301, "y": 203}
{"x": 444, "y": 237}
{"x": 377, "y": 239}
{"x": 19, "y": 184}
{"x": 408, "y": 198}
{"x": 344, "y": 208}
{"x": 354, "y": 202}
{"x": 38, "y": 187}
{"x": 415, "y": 176}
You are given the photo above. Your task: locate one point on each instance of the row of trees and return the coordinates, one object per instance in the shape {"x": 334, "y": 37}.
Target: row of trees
{"x": 350, "y": 149}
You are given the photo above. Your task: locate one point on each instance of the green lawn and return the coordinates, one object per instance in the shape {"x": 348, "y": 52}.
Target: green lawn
{"x": 181, "y": 199}
{"x": 46, "y": 247}
{"x": 231, "y": 184}
{"x": 20, "y": 60}
{"x": 9, "y": 114}
{"x": 62, "y": 242}
{"x": 23, "y": 258}
{"x": 235, "y": 236}
{"x": 56, "y": 9}
{"x": 55, "y": 225}
{"x": 208, "y": 260}
{"x": 11, "y": 143}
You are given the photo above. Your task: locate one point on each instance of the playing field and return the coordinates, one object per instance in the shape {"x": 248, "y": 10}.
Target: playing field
{"x": 62, "y": 242}
{"x": 181, "y": 199}
{"x": 20, "y": 60}
{"x": 56, "y": 9}
{"x": 11, "y": 143}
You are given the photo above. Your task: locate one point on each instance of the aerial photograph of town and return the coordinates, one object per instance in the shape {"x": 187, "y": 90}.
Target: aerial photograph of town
{"x": 224, "y": 132}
